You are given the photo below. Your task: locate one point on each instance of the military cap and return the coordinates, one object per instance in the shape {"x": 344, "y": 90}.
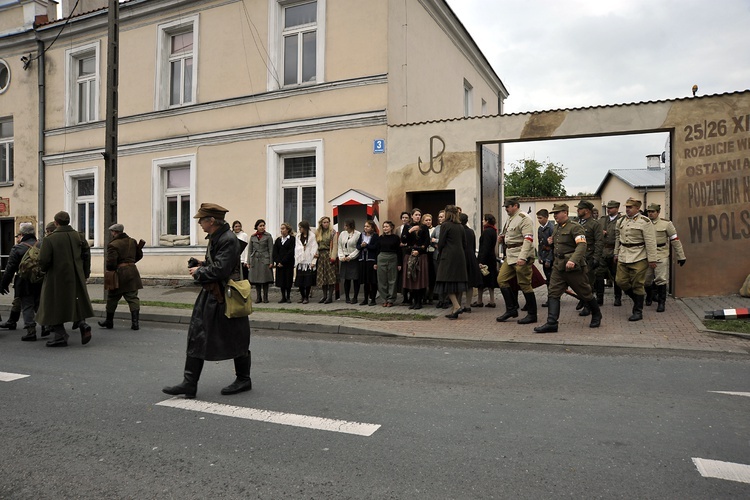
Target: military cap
{"x": 613, "y": 204}
{"x": 655, "y": 207}
{"x": 632, "y": 202}
{"x": 50, "y": 227}
{"x": 26, "y": 228}
{"x": 512, "y": 200}
{"x": 117, "y": 227}
{"x": 62, "y": 218}
{"x": 559, "y": 207}
{"x": 210, "y": 210}
{"x": 585, "y": 204}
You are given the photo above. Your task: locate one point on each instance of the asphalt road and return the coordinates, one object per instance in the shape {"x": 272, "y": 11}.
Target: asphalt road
{"x": 456, "y": 420}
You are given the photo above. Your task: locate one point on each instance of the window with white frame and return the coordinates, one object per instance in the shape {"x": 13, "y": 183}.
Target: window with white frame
{"x": 173, "y": 198}
{"x": 468, "y": 97}
{"x": 294, "y": 183}
{"x": 178, "y": 63}
{"x": 6, "y": 150}
{"x": 297, "y": 42}
{"x": 81, "y": 202}
{"x": 4, "y": 76}
{"x": 82, "y": 67}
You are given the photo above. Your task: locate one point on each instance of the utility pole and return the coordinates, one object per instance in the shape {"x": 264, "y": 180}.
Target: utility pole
{"x": 110, "y": 141}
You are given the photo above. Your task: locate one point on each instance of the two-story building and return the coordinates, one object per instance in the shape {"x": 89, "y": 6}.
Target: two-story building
{"x": 271, "y": 108}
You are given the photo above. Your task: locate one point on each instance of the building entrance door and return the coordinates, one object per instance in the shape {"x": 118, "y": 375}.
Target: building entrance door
{"x": 7, "y": 240}
{"x": 431, "y": 202}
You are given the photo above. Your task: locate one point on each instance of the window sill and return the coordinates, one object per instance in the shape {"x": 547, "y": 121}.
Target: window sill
{"x": 6, "y": 184}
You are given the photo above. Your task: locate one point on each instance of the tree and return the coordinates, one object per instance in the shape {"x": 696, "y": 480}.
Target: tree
{"x": 532, "y": 178}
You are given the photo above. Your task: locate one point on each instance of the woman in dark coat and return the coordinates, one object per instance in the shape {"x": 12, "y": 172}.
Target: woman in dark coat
{"x": 211, "y": 335}
{"x": 368, "y": 259}
{"x": 283, "y": 261}
{"x": 451, "y": 276}
{"x": 416, "y": 238}
{"x": 488, "y": 257}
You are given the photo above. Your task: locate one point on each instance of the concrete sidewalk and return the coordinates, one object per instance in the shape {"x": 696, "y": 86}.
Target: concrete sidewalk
{"x": 679, "y": 327}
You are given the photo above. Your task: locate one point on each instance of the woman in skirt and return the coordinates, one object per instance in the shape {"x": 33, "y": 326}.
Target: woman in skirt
{"x": 327, "y": 275}
{"x": 451, "y": 270}
{"x": 368, "y": 254}
{"x": 488, "y": 257}
{"x": 283, "y": 261}
{"x": 348, "y": 257}
{"x": 416, "y": 238}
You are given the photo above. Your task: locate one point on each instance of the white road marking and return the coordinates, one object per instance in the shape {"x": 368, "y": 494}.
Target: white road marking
{"x": 10, "y": 377}
{"x": 323, "y": 424}
{"x": 723, "y": 470}
{"x": 746, "y": 394}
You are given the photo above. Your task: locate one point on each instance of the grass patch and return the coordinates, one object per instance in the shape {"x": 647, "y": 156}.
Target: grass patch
{"x": 728, "y": 325}
{"x": 343, "y": 313}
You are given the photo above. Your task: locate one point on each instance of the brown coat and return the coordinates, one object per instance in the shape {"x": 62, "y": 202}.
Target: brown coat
{"x": 122, "y": 254}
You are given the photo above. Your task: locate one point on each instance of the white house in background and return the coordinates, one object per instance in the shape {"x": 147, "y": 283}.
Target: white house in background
{"x": 647, "y": 185}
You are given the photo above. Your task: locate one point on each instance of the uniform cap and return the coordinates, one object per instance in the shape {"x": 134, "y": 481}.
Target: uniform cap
{"x": 559, "y": 207}
{"x": 632, "y": 202}
{"x": 50, "y": 227}
{"x": 117, "y": 227}
{"x": 585, "y": 204}
{"x": 210, "y": 210}
{"x": 613, "y": 204}
{"x": 512, "y": 200}
{"x": 654, "y": 207}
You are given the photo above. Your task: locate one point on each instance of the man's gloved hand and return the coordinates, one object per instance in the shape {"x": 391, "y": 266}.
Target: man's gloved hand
{"x": 681, "y": 262}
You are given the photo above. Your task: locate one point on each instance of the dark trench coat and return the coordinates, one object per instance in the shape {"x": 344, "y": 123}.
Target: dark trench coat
{"x": 66, "y": 258}
{"x": 211, "y": 335}
{"x": 122, "y": 254}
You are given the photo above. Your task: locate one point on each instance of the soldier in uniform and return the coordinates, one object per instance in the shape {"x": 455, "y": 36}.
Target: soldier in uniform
{"x": 122, "y": 254}
{"x": 546, "y": 257}
{"x": 608, "y": 252}
{"x": 569, "y": 269}
{"x": 594, "y": 246}
{"x": 517, "y": 239}
{"x": 635, "y": 252}
{"x": 658, "y": 278}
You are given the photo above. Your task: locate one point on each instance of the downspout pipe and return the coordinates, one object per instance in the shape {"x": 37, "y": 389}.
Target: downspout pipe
{"x": 42, "y": 120}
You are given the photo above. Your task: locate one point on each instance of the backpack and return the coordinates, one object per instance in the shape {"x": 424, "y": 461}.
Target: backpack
{"x": 29, "y": 268}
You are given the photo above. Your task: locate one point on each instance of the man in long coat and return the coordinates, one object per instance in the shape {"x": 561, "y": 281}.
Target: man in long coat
{"x": 65, "y": 257}
{"x": 122, "y": 254}
{"x": 211, "y": 335}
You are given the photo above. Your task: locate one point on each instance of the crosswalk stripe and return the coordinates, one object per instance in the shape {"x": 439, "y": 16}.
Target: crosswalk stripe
{"x": 723, "y": 470}
{"x": 10, "y": 377}
{"x": 323, "y": 424}
{"x": 746, "y": 394}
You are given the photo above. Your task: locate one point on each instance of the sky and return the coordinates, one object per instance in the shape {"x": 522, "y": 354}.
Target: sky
{"x": 555, "y": 54}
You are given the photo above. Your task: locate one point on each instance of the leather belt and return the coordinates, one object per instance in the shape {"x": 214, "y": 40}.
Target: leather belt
{"x": 661, "y": 244}
{"x": 126, "y": 264}
{"x": 561, "y": 256}
{"x": 513, "y": 245}
{"x": 630, "y": 245}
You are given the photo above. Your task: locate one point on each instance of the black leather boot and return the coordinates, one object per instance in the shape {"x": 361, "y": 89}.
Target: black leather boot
{"x": 30, "y": 334}
{"x": 650, "y": 289}
{"x": 135, "y": 320}
{"x": 108, "y": 322}
{"x": 618, "y": 296}
{"x": 596, "y": 313}
{"x": 243, "y": 382}
{"x": 189, "y": 385}
{"x": 661, "y": 297}
{"x": 265, "y": 293}
{"x": 511, "y": 305}
{"x": 599, "y": 285}
{"x": 637, "y": 308}
{"x": 85, "y": 330}
{"x": 258, "y": 296}
{"x": 418, "y": 299}
{"x": 553, "y": 313}
{"x": 12, "y": 320}
{"x": 329, "y": 296}
{"x": 530, "y": 308}
{"x": 325, "y": 294}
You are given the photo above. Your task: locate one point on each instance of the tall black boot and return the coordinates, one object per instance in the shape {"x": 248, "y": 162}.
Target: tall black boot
{"x": 109, "y": 322}
{"x": 596, "y": 313}
{"x": 530, "y": 308}
{"x": 265, "y": 293}
{"x": 325, "y": 294}
{"x": 242, "y": 383}
{"x": 618, "y": 295}
{"x": 650, "y": 289}
{"x": 259, "y": 297}
{"x": 329, "y": 295}
{"x": 637, "y": 308}
{"x": 12, "y": 320}
{"x": 511, "y": 305}
{"x": 661, "y": 297}
{"x": 419, "y": 297}
{"x": 553, "y": 313}
{"x": 599, "y": 285}
{"x": 189, "y": 385}
{"x": 134, "y": 320}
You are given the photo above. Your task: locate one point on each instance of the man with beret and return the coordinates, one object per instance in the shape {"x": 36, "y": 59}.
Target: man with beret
{"x": 608, "y": 252}
{"x": 517, "y": 239}
{"x": 635, "y": 252}
{"x": 211, "y": 335}
{"x": 15, "y": 307}
{"x": 64, "y": 294}
{"x": 594, "y": 247}
{"x": 24, "y": 290}
{"x": 657, "y": 278}
{"x": 122, "y": 254}
{"x": 569, "y": 269}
